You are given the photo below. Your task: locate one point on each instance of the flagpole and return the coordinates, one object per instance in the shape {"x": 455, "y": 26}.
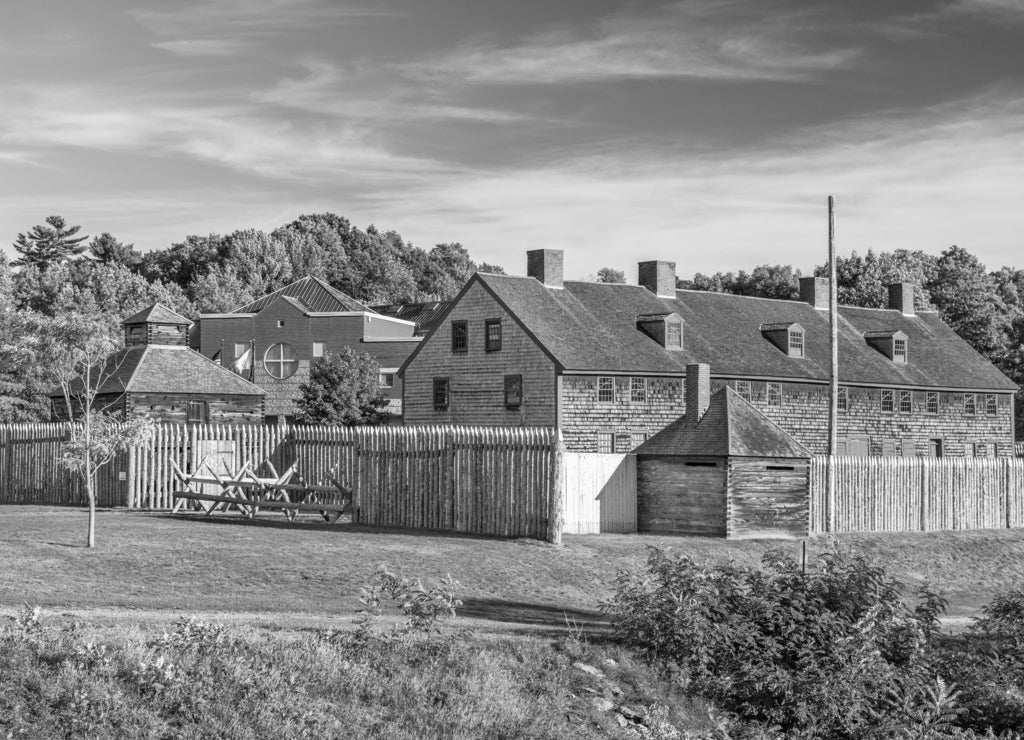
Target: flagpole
{"x": 833, "y": 380}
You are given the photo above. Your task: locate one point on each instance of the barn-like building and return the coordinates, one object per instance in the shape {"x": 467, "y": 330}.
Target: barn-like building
{"x": 158, "y": 375}
{"x": 273, "y": 340}
{"x": 606, "y": 364}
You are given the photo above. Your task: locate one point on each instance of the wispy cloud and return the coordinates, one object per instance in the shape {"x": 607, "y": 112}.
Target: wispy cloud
{"x": 1002, "y": 10}
{"x": 249, "y": 17}
{"x": 926, "y": 180}
{"x": 706, "y": 39}
{"x": 234, "y": 135}
{"x": 201, "y": 47}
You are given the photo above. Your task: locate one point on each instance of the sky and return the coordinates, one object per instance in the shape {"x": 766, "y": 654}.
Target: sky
{"x": 706, "y": 132}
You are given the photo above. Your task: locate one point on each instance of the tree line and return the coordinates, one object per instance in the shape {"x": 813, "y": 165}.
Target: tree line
{"x": 64, "y": 289}
{"x": 984, "y": 307}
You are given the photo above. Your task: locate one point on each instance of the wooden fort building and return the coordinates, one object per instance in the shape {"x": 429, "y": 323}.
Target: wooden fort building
{"x": 158, "y": 375}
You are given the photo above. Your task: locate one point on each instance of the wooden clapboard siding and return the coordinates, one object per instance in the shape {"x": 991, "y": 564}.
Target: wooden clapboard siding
{"x": 767, "y": 497}
{"x": 600, "y": 493}
{"x": 492, "y": 481}
{"x": 680, "y": 498}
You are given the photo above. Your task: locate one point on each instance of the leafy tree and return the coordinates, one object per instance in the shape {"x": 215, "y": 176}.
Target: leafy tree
{"x": 260, "y": 260}
{"x": 446, "y": 270}
{"x": 610, "y": 275}
{"x": 764, "y": 281}
{"x": 488, "y": 267}
{"x": 182, "y": 262}
{"x": 343, "y": 388}
{"x": 109, "y": 250}
{"x": 863, "y": 281}
{"x": 81, "y": 347}
{"x": 967, "y": 300}
{"x": 220, "y": 290}
{"x": 50, "y": 244}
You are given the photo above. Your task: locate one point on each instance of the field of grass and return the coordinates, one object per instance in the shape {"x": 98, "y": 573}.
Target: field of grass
{"x": 289, "y": 664}
{"x": 168, "y": 565}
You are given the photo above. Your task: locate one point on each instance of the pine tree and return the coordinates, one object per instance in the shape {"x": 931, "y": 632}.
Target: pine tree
{"x": 47, "y": 245}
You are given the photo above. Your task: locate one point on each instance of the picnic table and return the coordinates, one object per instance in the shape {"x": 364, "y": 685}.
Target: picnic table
{"x": 248, "y": 492}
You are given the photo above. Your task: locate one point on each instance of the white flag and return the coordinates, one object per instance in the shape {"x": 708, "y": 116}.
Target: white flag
{"x": 244, "y": 363}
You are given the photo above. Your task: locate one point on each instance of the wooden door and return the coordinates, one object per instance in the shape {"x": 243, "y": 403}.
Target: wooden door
{"x": 216, "y": 455}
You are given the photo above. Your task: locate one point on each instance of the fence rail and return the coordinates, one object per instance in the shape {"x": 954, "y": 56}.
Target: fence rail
{"x": 880, "y": 494}
{"x": 484, "y": 480}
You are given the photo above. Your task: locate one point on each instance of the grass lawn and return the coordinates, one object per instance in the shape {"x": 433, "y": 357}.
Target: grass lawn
{"x": 310, "y": 571}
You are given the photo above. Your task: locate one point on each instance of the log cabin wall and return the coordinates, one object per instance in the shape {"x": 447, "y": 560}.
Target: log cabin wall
{"x": 677, "y": 495}
{"x": 110, "y": 403}
{"x": 173, "y": 407}
{"x": 768, "y": 497}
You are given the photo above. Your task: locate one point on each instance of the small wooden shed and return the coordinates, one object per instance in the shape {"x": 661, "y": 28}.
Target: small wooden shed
{"x": 723, "y": 470}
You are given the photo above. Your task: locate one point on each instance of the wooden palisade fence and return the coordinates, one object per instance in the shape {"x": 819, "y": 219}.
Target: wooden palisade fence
{"x": 484, "y": 480}
{"x": 892, "y": 494}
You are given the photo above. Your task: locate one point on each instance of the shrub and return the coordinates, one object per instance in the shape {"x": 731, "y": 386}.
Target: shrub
{"x": 834, "y": 653}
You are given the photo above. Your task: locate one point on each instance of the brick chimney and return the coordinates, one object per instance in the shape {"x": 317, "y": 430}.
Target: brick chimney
{"x": 901, "y": 298}
{"x": 546, "y": 266}
{"x": 814, "y": 290}
{"x": 658, "y": 277}
{"x": 697, "y": 392}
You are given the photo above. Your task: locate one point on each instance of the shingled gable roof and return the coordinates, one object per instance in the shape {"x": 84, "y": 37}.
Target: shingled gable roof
{"x": 166, "y": 369}
{"x": 157, "y": 314}
{"x": 312, "y": 295}
{"x": 730, "y": 427}
{"x": 591, "y": 327}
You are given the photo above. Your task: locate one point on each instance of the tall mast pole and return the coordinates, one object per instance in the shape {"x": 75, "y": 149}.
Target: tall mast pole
{"x": 833, "y": 376}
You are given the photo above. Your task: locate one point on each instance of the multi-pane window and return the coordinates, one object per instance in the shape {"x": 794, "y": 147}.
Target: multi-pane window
{"x": 970, "y": 404}
{"x": 932, "y": 402}
{"x": 460, "y": 336}
{"x": 673, "y": 334}
{"x": 843, "y": 399}
{"x": 886, "y": 401}
{"x": 492, "y": 334}
{"x": 899, "y": 350}
{"x": 990, "y": 404}
{"x": 774, "y": 394}
{"x": 441, "y": 388}
{"x": 281, "y": 361}
{"x": 387, "y": 380}
{"x": 743, "y": 389}
{"x": 197, "y": 412}
{"x": 636, "y": 439}
{"x": 906, "y": 402}
{"x": 638, "y": 390}
{"x": 605, "y": 442}
{"x": 796, "y": 343}
{"x": 605, "y": 389}
{"x": 241, "y": 349}
{"x": 513, "y": 391}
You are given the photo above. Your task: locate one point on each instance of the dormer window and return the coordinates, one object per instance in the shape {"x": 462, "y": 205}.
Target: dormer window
{"x": 666, "y": 329}
{"x": 899, "y": 350}
{"x": 788, "y": 337}
{"x": 892, "y": 344}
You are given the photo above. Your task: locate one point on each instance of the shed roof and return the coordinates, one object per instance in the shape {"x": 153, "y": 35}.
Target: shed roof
{"x": 592, "y": 327}
{"x": 731, "y": 427}
{"x": 311, "y": 294}
{"x": 166, "y": 369}
{"x": 157, "y": 314}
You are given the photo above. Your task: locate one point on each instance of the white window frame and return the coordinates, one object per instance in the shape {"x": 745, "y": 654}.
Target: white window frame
{"x": 773, "y": 393}
{"x": 319, "y": 348}
{"x": 279, "y": 360}
{"x": 745, "y": 390}
{"x": 608, "y": 383}
{"x": 637, "y": 389}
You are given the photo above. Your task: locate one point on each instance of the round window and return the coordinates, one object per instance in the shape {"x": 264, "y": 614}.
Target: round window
{"x": 281, "y": 361}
